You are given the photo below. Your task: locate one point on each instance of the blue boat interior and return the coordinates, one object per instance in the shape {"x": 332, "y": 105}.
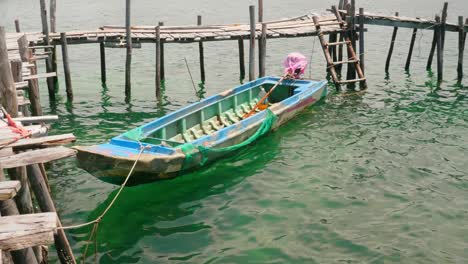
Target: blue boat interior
{"x": 213, "y": 115}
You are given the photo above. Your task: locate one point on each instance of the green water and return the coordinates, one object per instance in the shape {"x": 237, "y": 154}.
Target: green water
{"x": 372, "y": 178}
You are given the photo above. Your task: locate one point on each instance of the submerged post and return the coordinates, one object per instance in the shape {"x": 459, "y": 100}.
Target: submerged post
{"x": 49, "y": 65}
{"x": 102, "y": 51}
{"x": 440, "y": 57}
{"x": 163, "y": 74}
{"x": 410, "y": 52}
{"x": 66, "y": 66}
{"x": 158, "y": 62}
{"x": 202, "y": 54}
{"x": 390, "y": 50}
{"x": 262, "y": 50}
{"x": 361, "y": 39}
{"x": 17, "y": 26}
{"x": 461, "y": 48}
{"x": 128, "y": 60}
{"x": 241, "y": 58}
{"x": 7, "y": 86}
{"x": 252, "y": 44}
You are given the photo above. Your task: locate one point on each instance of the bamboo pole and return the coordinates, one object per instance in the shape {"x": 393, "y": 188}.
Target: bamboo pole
{"x": 390, "y": 50}
{"x": 49, "y": 64}
{"x": 410, "y": 52}
{"x": 440, "y": 57}
{"x": 361, "y": 39}
{"x": 461, "y": 47}
{"x": 201, "y": 52}
{"x": 252, "y": 43}
{"x": 46, "y": 204}
{"x": 163, "y": 71}
{"x": 7, "y": 86}
{"x": 158, "y": 62}
{"x": 66, "y": 66}
{"x": 102, "y": 51}
{"x": 262, "y": 50}
{"x": 240, "y": 43}
{"x": 17, "y": 26}
{"x": 128, "y": 60}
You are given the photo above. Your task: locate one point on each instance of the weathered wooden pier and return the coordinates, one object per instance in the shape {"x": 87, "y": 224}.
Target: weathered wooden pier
{"x": 23, "y": 230}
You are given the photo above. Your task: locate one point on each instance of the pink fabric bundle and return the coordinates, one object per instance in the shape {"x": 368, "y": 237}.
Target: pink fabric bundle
{"x": 295, "y": 64}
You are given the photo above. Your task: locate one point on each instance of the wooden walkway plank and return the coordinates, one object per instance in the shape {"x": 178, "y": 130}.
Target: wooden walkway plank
{"x": 23, "y": 231}
{"x": 36, "y": 156}
{"x": 44, "y": 141}
{"x": 8, "y": 189}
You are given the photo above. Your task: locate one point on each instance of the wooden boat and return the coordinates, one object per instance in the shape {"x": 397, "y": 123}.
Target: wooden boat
{"x": 199, "y": 133}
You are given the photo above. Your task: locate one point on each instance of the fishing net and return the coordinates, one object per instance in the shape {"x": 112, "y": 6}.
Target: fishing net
{"x": 201, "y": 153}
{"x": 295, "y": 64}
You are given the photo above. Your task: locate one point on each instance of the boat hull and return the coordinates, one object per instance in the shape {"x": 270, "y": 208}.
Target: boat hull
{"x": 113, "y": 163}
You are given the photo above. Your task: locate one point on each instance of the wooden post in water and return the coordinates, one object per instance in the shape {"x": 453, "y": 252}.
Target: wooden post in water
{"x": 443, "y": 25}
{"x": 17, "y": 26}
{"x": 66, "y": 66}
{"x": 102, "y": 51}
{"x": 262, "y": 50}
{"x": 201, "y": 52}
{"x": 241, "y": 58}
{"x": 26, "y": 55}
{"x": 260, "y": 11}
{"x": 128, "y": 60}
{"x": 53, "y": 28}
{"x": 7, "y": 86}
{"x": 53, "y": 8}
{"x": 46, "y": 204}
{"x": 410, "y": 52}
{"x": 252, "y": 43}
{"x": 361, "y": 39}
{"x": 158, "y": 62}
{"x": 432, "y": 51}
{"x": 340, "y": 47}
{"x": 351, "y": 69}
{"x": 390, "y": 50}
{"x": 434, "y": 40}
{"x": 461, "y": 48}
{"x": 163, "y": 74}
{"x": 440, "y": 57}
{"x": 49, "y": 65}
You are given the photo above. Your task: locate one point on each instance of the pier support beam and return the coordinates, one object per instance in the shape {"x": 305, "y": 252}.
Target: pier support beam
{"x": 163, "y": 71}
{"x": 390, "y": 50}
{"x": 33, "y": 84}
{"x": 17, "y": 26}
{"x": 41, "y": 192}
{"x": 262, "y": 50}
{"x": 102, "y": 51}
{"x": 361, "y": 39}
{"x": 66, "y": 66}
{"x": 7, "y": 86}
{"x": 461, "y": 48}
{"x": 202, "y": 53}
{"x": 128, "y": 60}
{"x": 252, "y": 43}
{"x": 49, "y": 64}
{"x": 440, "y": 55}
{"x": 410, "y": 52}
{"x": 158, "y": 62}
{"x": 241, "y": 59}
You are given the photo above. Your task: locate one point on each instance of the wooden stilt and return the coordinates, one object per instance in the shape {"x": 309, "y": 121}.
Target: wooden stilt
{"x": 340, "y": 39}
{"x": 260, "y": 11}
{"x": 158, "y": 62}
{"x": 390, "y": 50}
{"x": 66, "y": 66}
{"x": 252, "y": 43}
{"x": 461, "y": 48}
{"x": 163, "y": 74}
{"x": 128, "y": 61}
{"x": 102, "y": 50}
{"x": 39, "y": 187}
{"x": 17, "y": 26}
{"x": 410, "y": 52}
{"x": 262, "y": 50}
{"x": 432, "y": 51}
{"x": 49, "y": 64}
{"x": 351, "y": 70}
{"x": 361, "y": 39}
{"x": 440, "y": 57}
{"x": 53, "y": 8}
{"x": 202, "y": 54}
{"x": 33, "y": 84}
{"x": 241, "y": 59}
{"x": 443, "y": 24}
{"x": 7, "y": 86}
